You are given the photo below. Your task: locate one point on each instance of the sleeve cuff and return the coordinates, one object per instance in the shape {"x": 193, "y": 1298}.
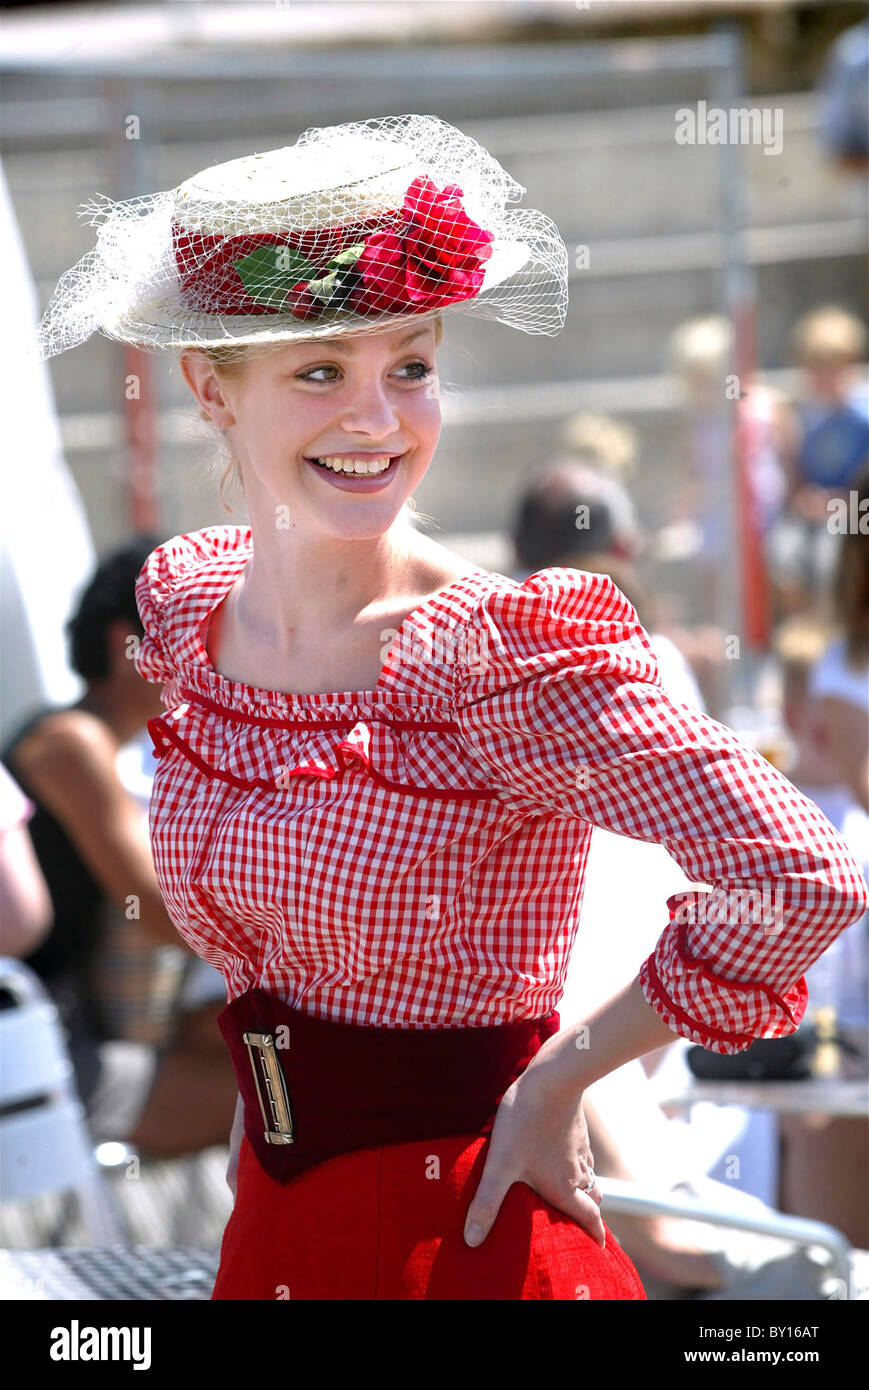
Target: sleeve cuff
{"x": 721, "y": 1015}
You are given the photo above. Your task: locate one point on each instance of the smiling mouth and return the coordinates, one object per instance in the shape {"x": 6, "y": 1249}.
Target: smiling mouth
{"x": 351, "y": 466}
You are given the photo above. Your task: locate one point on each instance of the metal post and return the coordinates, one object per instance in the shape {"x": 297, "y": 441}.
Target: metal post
{"x": 739, "y": 296}
{"x": 124, "y": 99}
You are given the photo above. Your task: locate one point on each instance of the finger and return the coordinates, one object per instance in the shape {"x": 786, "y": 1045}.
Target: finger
{"x": 583, "y": 1209}
{"x": 486, "y": 1202}
{"x": 581, "y": 1183}
{"x": 594, "y": 1192}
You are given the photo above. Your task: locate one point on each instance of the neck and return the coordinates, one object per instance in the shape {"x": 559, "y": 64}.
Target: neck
{"x": 302, "y": 585}
{"x": 113, "y": 707}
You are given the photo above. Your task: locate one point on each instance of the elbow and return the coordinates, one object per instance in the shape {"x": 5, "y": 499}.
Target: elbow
{"x": 851, "y": 888}
{"x": 841, "y": 893}
{"x": 861, "y": 900}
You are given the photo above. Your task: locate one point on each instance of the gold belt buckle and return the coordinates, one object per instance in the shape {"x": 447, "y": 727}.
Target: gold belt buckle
{"x": 275, "y": 1106}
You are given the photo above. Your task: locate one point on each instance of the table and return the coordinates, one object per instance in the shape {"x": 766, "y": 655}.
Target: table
{"x": 833, "y": 1096}
{"x": 110, "y": 1272}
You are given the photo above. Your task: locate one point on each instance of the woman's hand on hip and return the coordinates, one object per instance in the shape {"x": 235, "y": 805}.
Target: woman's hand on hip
{"x": 540, "y": 1138}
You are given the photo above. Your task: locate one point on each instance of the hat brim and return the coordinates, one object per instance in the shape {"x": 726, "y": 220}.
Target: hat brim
{"x": 167, "y": 324}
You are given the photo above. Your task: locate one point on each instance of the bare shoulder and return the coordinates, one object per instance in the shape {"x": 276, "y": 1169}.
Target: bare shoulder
{"x": 434, "y": 566}
{"x": 63, "y": 739}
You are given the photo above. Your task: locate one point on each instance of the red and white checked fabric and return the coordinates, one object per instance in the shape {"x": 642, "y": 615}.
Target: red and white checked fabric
{"x": 413, "y": 855}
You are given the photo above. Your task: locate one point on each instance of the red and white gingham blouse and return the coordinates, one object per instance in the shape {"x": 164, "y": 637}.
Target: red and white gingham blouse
{"x": 413, "y": 855}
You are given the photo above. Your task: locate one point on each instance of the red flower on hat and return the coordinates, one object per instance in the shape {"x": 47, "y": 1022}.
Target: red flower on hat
{"x": 434, "y": 258}
{"x": 302, "y": 303}
{"x": 432, "y": 255}
{"x": 225, "y": 275}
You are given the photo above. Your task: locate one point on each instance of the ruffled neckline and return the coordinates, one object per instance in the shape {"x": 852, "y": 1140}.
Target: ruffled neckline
{"x": 198, "y": 675}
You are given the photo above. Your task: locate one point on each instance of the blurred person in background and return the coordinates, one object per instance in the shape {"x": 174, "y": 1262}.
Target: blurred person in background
{"x": 91, "y": 841}
{"x": 603, "y": 443}
{"x": 25, "y": 902}
{"x": 844, "y": 110}
{"x": 840, "y": 978}
{"x": 576, "y": 515}
{"x": 825, "y": 1159}
{"x": 574, "y": 512}
{"x": 828, "y": 450}
{"x": 608, "y": 447}
{"x": 840, "y": 681}
{"x": 700, "y": 352}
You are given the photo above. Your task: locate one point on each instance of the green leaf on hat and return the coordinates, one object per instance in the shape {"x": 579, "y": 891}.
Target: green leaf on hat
{"x": 324, "y": 288}
{"x": 270, "y": 271}
{"x": 349, "y": 256}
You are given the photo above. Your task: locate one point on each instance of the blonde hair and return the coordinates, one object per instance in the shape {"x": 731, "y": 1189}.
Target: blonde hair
{"x": 701, "y": 346}
{"x": 601, "y": 440}
{"x": 829, "y": 334}
{"x": 798, "y": 644}
{"x": 230, "y": 362}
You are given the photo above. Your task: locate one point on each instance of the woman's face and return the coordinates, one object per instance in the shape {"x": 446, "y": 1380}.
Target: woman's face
{"x": 369, "y": 398}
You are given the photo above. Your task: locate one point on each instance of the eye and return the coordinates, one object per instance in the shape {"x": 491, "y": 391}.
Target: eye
{"x": 418, "y": 370}
{"x": 417, "y": 375}
{"x": 310, "y": 374}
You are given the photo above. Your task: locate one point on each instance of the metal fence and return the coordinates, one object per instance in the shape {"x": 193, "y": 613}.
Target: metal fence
{"x": 588, "y": 128}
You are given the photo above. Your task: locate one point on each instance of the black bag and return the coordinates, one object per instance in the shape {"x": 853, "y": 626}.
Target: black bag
{"x": 768, "y": 1059}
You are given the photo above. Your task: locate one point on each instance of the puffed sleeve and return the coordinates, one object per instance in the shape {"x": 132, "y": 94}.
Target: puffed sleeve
{"x": 153, "y": 659}
{"x": 560, "y": 701}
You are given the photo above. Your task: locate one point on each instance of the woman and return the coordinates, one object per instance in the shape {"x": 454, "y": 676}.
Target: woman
{"x": 111, "y": 960}
{"x": 840, "y": 682}
{"x": 86, "y": 833}
{"x": 823, "y": 1157}
{"x": 379, "y": 766}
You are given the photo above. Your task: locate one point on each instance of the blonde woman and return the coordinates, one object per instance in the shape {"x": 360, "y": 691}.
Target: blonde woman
{"x": 379, "y": 766}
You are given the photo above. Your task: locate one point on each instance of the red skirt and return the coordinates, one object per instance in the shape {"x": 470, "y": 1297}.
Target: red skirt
{"x": 387, "y": 1223}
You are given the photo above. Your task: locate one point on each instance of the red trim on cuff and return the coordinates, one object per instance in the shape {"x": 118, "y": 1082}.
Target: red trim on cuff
{"x": 704, "y": 1029}
{"x": 695, "y": 964}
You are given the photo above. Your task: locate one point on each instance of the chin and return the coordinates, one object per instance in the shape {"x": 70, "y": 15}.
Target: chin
{"x": 376, "y": 521}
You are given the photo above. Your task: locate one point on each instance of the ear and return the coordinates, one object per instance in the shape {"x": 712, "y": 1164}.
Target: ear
{"x": 120, "y": 646}
{"x": 202, "y": 379}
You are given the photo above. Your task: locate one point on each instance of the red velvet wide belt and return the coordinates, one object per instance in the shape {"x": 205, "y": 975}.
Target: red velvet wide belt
{"x": 312, "y": 1088}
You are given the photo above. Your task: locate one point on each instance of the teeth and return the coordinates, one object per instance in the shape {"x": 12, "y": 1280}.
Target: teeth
{"x": 339, "y": 464}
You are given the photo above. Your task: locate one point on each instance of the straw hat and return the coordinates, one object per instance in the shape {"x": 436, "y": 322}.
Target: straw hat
{"x": 353, "y": 228}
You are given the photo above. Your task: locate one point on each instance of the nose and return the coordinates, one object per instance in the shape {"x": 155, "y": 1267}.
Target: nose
{"x": 371, "y": 412}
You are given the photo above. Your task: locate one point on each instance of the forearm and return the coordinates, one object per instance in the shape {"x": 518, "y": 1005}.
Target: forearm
{"x": 607, "y": 1150}
{"x": 854, "y": 772}
{"x": 235, "y": 1139}
{"x": 847, "y": 744}
{"x": 859, "y": 782}
{"x": 614, "y": 1033}
{"x": 152, "y": 917}
{"x": 26, "y": 916}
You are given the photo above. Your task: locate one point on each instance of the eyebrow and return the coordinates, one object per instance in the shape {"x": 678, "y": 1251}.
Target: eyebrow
{"x": 336, "y": 345}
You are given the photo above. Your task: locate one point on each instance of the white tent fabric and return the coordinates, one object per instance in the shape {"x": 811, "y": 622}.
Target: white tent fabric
{"x": 46, "y": 551}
